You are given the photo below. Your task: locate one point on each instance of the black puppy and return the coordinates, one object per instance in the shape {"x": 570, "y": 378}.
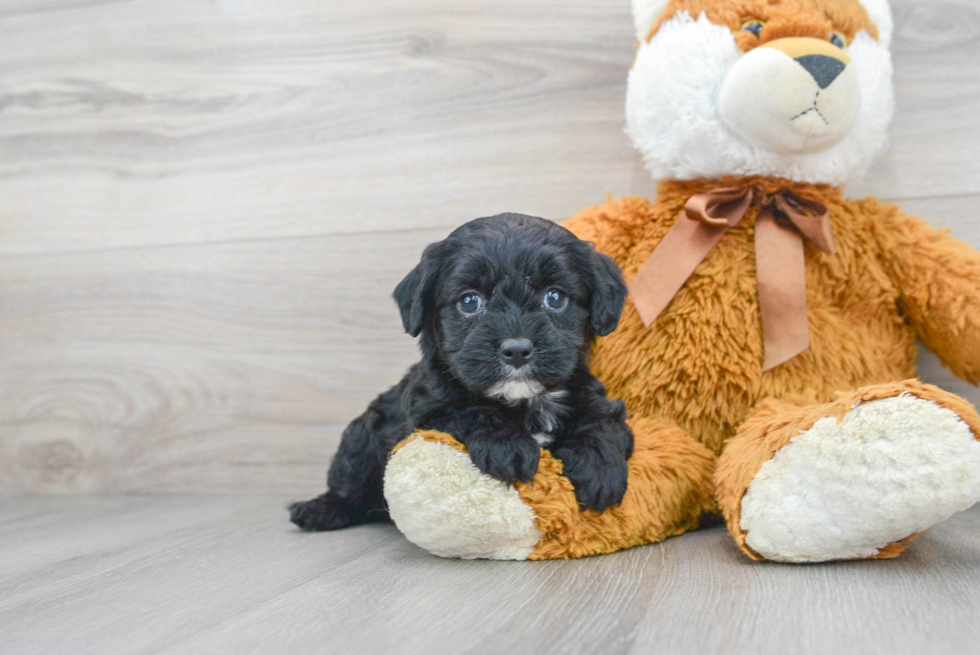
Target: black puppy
{"x": 507, "y": 307}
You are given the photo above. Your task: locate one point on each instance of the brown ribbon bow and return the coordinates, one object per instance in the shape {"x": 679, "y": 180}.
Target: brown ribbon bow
{"x": 785, "y": 218}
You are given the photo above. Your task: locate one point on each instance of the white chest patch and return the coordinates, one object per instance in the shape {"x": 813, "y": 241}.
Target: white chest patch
{"x": 515, "y": 390}
{"x": 543, "y": 438}
{"x": 546, "y": 409}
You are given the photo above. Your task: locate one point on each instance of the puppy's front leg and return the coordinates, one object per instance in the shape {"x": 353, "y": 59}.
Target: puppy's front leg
{"x": 499, "y": 447}
{"x": 594, "y": 460}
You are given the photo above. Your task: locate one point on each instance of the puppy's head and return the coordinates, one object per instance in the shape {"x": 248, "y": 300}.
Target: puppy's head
{"x": 510, "y": 303}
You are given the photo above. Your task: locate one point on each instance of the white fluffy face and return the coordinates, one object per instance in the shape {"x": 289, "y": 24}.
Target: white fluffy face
{"x": 795, "y": 110}
{"x": 699, "y": 107}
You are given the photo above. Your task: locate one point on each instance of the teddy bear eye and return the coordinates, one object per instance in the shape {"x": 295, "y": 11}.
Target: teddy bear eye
{"x": 754, "y": 26}
{"x": 470, "y": 304}
{"x": 838, "y": 40}
{"x": 555, "y": 300}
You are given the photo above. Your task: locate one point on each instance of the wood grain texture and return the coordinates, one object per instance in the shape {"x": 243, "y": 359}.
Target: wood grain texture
{"x": 206, "y": 206}
{"x": 174, "y": 121}
{"x": 152, "y": 121}
{"x": 207, "y": 367}
{"x": 213, "y": 574}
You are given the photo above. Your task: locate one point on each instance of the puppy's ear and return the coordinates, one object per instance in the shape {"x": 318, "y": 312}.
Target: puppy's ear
{"x": 607, "y": 293}
{"x": 414, "y": 294}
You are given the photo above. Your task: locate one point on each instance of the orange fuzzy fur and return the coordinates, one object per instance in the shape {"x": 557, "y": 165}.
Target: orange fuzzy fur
{"x": 813, "y": 18}
{"x": 699, "y": 366}
{"x": 670, "y": 488}
{"x": 693, "y": 381}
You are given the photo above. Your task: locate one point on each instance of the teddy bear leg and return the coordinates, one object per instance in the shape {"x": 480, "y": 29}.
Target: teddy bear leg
{"x": 670, "y": 488}
{"x": 443, "y": 503}
{"x": 855, "y": 478}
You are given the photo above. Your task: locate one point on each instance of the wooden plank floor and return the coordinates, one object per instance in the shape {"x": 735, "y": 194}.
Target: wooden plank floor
{"x": 228, "y": 574}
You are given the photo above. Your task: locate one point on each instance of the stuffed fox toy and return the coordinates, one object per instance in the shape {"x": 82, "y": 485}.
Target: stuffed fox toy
{"x": 767, "y": 352}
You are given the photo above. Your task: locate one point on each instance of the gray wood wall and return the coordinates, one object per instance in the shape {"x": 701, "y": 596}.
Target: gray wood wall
{"x": 204, "y": 206}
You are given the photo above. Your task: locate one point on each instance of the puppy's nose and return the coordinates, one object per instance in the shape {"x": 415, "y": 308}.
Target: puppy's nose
{"x": 823, "y": 69}
{"x": 516, "y": 352}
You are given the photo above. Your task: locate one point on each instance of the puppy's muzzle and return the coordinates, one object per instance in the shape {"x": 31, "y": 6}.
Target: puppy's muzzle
{"x": 516, "y": 352}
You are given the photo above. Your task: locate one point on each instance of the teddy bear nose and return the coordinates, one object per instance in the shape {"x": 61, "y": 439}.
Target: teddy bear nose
{"x": 516, "y": 352}
{"x": 822, "y": 68}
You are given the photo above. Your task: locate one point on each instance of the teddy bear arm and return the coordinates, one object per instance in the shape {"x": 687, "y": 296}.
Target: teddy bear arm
{"x": 938, "y": 278}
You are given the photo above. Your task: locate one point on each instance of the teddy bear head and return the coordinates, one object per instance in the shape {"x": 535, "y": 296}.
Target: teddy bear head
{"x": 797, "y": 89}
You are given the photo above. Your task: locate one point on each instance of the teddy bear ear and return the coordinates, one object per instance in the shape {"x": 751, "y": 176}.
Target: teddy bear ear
{"x": 646, "y": 13}
{"x": 881, "y": 15}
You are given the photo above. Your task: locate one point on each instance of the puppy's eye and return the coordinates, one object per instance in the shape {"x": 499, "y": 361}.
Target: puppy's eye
{"x": 755, "y": 26}
{"x": 838, "y": 40}
{"x": 471, "y": 303}
{"x": 555, "y": 300}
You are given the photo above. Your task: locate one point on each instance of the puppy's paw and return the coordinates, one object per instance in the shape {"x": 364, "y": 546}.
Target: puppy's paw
{"x": 508, "y": 459}
{"x": 326, "y": 512}
{"x": 599, "y": 479}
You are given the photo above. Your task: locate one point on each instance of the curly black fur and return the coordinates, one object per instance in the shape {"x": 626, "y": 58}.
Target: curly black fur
{"x": 464, "y": 384}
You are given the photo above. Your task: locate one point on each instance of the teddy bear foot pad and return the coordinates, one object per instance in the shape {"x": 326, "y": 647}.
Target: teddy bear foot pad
{"x": 860, "y": 486}
{"x": 441, "y": 502}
